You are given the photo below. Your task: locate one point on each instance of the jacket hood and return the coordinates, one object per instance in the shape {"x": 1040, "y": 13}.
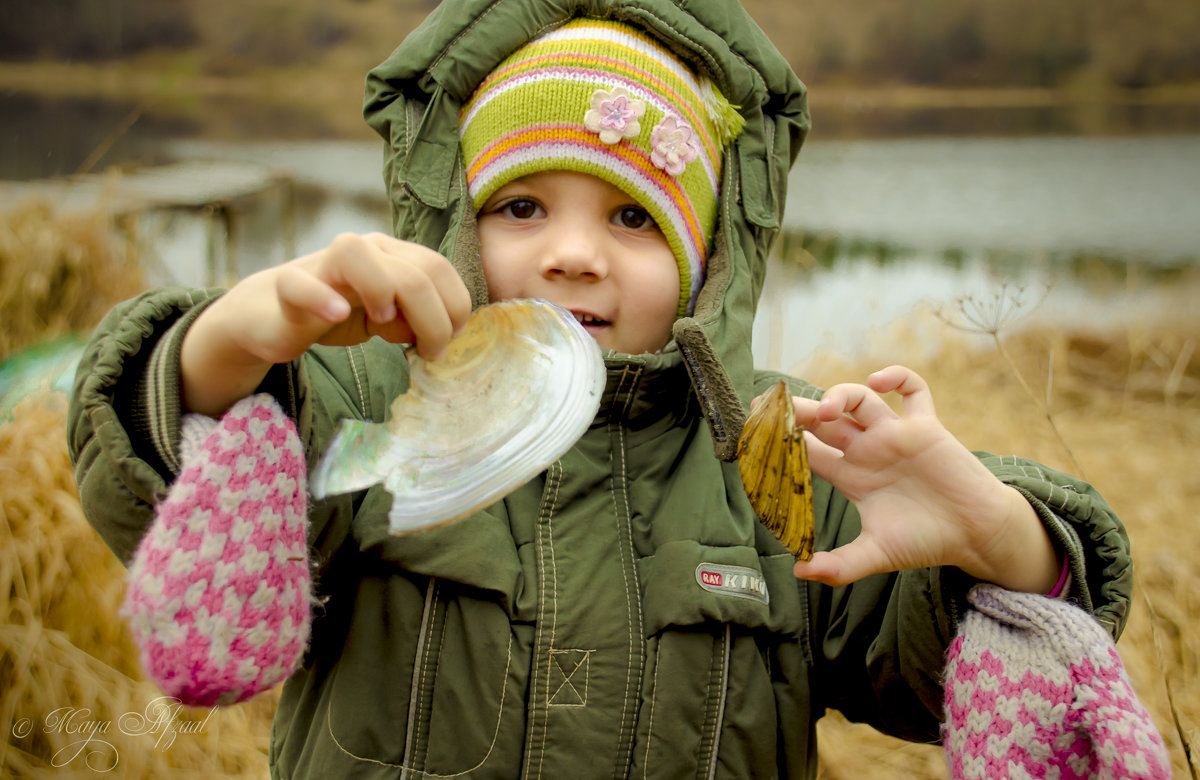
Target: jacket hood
{"x": 414, "y": 97}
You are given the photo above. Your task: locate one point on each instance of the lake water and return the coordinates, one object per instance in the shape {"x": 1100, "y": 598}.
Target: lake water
{"x": 1098, "y": 231}
{"x": 881, "y": 230}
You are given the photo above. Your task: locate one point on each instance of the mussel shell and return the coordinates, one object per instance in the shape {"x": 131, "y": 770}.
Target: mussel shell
{"x": 510, "y": 395}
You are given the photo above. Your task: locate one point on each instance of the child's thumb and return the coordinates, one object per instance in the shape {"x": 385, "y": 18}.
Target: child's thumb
{"x": 848, "y": 563}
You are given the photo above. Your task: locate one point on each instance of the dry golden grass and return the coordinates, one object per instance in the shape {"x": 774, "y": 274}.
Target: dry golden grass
{"x": 58, "y": 273}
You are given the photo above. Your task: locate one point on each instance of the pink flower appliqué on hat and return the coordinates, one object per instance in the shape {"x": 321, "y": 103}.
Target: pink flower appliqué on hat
{"x": 673, "y": 144}
{"x": 614, "y": 115}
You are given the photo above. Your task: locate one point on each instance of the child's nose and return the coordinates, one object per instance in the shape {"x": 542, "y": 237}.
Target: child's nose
{"x": 576, "y": 252}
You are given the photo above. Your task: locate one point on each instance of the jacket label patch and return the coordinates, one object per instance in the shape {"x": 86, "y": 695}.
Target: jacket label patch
{"x": 736, "y": 581}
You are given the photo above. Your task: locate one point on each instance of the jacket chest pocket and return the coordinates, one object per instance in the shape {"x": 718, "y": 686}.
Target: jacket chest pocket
{"x": 434, "y": 686}
{"x": 715, "y": 618}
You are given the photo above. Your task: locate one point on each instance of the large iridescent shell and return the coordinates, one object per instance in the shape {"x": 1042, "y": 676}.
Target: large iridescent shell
{"x": 509, "y": 396}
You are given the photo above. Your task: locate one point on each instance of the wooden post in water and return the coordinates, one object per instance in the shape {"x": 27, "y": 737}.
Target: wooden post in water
{"x": 288, "y": 217}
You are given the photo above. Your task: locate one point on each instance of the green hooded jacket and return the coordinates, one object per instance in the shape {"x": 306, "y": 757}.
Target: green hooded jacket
{"x": 624, "y": 614}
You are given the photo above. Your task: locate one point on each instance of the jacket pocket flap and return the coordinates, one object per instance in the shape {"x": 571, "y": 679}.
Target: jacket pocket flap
{"x": 686, "y": 583}
{"x": 429, "y": 164}
{"x": 477, "y": 551}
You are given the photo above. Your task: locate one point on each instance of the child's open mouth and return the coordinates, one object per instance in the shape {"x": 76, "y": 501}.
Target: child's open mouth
{"x": 590, "y": 321}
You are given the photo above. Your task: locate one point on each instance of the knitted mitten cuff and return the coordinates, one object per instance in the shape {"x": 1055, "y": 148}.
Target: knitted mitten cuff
{"x": 1034, "y": 687}
{"x": 220, "y": 587}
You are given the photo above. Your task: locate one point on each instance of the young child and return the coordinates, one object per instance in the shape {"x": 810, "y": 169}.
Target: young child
{"x": 624, "y": 614}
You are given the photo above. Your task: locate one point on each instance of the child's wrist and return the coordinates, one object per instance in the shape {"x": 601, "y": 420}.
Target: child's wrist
{"x": 1024, "y": 559}
{"x": 215, "y": 371}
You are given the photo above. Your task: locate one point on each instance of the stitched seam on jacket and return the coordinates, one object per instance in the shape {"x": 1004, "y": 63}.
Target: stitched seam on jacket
{"x": 703, "y": 50}
{"x": 546, "y": 511}
{"x": 362, "y": 401}
{"x": 409, "y": 108}
{"x": 712, "y": 705}
{"x": 454, "y": 41}
{"x": 553, "y": 593}
{"x": 650, "y": 723}
{"x": 427, "y": 662}
{"x": 567, "y": 678}
{"x": 632, "y": 591}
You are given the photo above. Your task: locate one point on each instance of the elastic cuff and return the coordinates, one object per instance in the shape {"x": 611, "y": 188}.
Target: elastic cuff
{"x": 1063, "y": 585}
{"x": 158, "y": 393}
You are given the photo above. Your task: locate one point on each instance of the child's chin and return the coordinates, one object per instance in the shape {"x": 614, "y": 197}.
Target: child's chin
{"x": 602, "y": 335}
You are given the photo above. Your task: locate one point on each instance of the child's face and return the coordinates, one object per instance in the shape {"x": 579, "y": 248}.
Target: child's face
{"x": 584, "y": 244}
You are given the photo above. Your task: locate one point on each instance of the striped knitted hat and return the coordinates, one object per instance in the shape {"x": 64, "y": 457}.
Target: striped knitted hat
{"x": 604, "y": 98}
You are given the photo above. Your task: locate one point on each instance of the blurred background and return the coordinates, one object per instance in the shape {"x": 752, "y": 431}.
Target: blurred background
{"x": 1003, "y": 194}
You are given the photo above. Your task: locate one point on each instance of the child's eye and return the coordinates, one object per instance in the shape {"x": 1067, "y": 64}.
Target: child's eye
{"x": 635, "y": 218}
{"x": 521, "y": 208}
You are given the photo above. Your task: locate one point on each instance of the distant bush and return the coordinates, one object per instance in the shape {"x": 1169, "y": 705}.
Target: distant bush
{"x": 276, "y": 32}
{"x": 1120, "y": 43}
{"x": 90, "y": 29}
{"x": 1124, "y": 43}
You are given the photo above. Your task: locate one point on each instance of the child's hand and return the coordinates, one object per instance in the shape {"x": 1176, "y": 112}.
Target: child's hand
{"x": 353, "y": 289}
{"x": 925, "y": 500}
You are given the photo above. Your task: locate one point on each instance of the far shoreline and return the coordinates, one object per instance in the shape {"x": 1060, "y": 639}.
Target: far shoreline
{"x": 167, "y": 82}
{"x": 324, "y": 102}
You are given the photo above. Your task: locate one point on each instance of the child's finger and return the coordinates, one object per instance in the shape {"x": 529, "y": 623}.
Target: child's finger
{"x": 827, "y": 462}
{"x": 838, "y": 433}
{"x": 805, "y": 409}
{"x": 301, "y": 293}
{"x": 915, "y": 396}
{"x": 448, "y": 285}
{"x": 394, "y": 281}
{"x": 422, "y": 289}
{"x": 425, "y": 310}
{"x": 453, "y": 295}
{"x": 857, "y": 401}
{"x": 357, "y": 263}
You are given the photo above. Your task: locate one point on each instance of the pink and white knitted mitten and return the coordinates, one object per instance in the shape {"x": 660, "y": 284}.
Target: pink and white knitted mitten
{"x": 1034, "y": 687}
{"x": 220, "y": 587}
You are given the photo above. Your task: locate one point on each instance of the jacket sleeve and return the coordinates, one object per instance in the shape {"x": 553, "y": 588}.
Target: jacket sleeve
{"x": 112, "y": 425}
{"x": 879, "y": 645}
{"x": 125, "y": 414}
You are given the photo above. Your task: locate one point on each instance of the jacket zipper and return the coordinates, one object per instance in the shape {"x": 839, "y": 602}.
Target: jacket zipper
{"x": 414, "y": 691}
{"x": 716, "y": 740}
